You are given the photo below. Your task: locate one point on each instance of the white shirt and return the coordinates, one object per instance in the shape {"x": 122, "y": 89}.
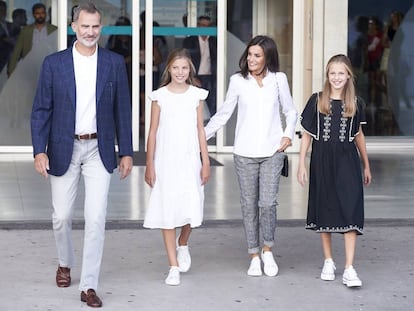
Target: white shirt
{"x": 205, "y": 62}
{"x": 259, "y": 128}
{"x": 39, "y": 36}
{"x": 85, "y": 77}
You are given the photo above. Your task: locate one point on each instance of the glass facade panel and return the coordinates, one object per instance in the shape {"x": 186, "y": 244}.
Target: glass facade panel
{"x": 382, "y": 56}
{"x": 384, "y": 77}
{"x": 22, "y": 53}
{"x": 177, "y": 24}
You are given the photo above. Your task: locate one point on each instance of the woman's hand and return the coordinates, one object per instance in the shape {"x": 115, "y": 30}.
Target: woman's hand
{"x": 285, "y": 142}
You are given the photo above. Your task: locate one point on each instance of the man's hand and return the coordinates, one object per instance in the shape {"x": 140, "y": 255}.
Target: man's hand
{"x": 41, "y": 164}
{"x": 125, "y": 166}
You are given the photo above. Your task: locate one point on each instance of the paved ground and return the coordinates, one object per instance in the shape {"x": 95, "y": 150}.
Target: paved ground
{"x": 134, "y": 267}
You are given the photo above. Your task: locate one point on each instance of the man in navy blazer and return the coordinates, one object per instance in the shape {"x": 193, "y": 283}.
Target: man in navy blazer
{"x": 81, "y": 108}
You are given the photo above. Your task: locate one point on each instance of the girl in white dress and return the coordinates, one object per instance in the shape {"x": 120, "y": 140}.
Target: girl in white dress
{"x": 174, "y": 169}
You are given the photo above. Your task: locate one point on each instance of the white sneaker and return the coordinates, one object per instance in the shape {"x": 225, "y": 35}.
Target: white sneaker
{"x": 173, "y": 277}
{"x": 183, "y": 257}
{"x": 269, "y": 264}
{"x": 328, "y": 270}
{"x": 255, "y": 268}
{"x": 350, "y": 278}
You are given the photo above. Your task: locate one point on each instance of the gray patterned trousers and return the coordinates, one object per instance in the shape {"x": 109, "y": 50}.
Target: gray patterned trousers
{"x": 259, "y": 185}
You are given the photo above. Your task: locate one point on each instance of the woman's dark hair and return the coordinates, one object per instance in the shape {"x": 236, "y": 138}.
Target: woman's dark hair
{"x": 270, "y": 53}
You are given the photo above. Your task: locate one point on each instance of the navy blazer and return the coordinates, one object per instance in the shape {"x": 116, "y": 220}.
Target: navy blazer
{"x": 193, "y": 46}
{"x": 54, "y": 110}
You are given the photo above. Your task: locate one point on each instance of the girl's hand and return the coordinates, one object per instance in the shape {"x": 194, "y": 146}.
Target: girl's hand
{"x": 367, "y": 177}
{"x": 302, "y": 175}
{"x": 205, "y": 173}
{"x": 150, "y": 175}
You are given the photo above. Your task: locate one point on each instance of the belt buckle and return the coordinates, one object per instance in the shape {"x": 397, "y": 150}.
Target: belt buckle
{"x": 88, "y": 136}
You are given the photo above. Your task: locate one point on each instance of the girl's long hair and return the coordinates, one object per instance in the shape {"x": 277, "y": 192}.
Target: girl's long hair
{"x": 172, "y": 57}
{"x": 270, "y": 53}
{"x": 348, "y": 93}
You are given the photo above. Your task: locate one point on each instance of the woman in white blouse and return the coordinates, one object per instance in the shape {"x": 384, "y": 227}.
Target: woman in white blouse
{"x": 262, "y": 94}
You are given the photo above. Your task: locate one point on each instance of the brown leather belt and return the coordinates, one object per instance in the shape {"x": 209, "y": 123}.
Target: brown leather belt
{"x": 86, "y": 136}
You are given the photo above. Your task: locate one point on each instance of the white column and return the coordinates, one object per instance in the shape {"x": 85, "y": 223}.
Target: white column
{"x": 148, "y": 63}
{"x": 298, "y": 60}
{"x": 60, "y": 9}
{"x": 330, "y": 23}
{"x": 221, "y": 66}
{"x": 135, "y": 74}
{"x": 335, "y": 28}
{"x": 259, "y": 24}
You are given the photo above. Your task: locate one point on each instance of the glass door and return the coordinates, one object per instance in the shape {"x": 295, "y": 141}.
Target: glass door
{"x": 20, "y": 62}
{"x": 166, "y": 25}
{"x": 380, "y": 47}
{"x": 246, "y": 19}
{"x": 17, "y": 88}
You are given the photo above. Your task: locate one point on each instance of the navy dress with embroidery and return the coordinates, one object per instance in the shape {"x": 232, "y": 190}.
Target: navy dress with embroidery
{"x": 336, "y": 202}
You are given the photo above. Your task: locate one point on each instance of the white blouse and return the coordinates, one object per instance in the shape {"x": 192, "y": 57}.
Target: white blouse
{"x": 259, "y": 127}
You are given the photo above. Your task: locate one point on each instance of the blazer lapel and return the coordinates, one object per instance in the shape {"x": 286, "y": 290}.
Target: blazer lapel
{"x": 102, "y": 72}
{"x": 69, "y": 75}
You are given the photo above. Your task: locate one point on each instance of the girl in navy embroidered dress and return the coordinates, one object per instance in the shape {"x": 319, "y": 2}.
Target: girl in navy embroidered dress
{"x": 332, "y": 123}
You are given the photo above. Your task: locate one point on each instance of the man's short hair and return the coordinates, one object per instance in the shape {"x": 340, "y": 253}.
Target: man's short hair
{"x": 37, "y": 6}
{"x": 206, "y": 17}
{"x": 18, "y": 12}
{"x": 88, "y": 7}
{"x": 3, "y": 4}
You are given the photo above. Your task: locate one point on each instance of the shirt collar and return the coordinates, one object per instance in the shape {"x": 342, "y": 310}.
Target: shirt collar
{"x": 79, "y": 55}
{"x": 266, "y": 77}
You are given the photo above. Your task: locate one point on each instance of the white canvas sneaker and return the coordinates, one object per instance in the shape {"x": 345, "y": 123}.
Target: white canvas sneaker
{"x": 255, "y": 268}
{"x": 328, "y": 270}
{"x": 183, "y": 257}
{"x": 350, "y": 278}
{"x": 173, "y": 277}
{"x": 269, "y": 264}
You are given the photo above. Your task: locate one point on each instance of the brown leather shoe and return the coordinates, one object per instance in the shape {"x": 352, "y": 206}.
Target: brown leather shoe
{"x": 63, "y": 277}
{"x": 91, "y": 299}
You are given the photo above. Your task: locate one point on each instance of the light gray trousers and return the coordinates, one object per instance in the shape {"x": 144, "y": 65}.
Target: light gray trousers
{"x": 85, "y": 162}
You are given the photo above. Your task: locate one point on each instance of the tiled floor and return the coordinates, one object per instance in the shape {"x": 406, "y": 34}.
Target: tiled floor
{"x": 25, "y": 195}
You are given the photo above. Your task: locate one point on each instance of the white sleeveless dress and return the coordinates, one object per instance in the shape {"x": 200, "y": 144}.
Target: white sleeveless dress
{"x": 177, "y": 197}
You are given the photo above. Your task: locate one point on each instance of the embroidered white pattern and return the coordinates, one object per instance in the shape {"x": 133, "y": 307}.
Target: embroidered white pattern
{"x": 342, "y": 126}
{"x": 327, "y": 133}
{"x": 327, "y": 128}
{"x": 338, "y": 229}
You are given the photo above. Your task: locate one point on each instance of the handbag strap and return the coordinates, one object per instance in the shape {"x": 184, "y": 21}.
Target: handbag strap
{"x": 280, "y": 104}
{"x": 278, "y": 91}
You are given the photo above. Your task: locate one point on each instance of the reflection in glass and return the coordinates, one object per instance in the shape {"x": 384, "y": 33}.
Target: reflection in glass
{"x": 181, "y": 24}
{"x": 18, "y": 92}
{"x": 28, "y": 45}
{"x": 401, "y": 75}
{"x": 374, "y": 35}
